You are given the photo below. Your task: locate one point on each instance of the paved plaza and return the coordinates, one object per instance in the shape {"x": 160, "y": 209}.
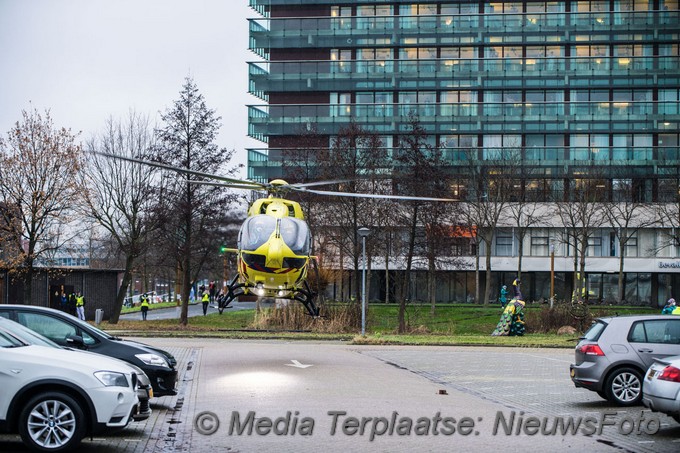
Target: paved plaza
{"x": 308, "y": 397}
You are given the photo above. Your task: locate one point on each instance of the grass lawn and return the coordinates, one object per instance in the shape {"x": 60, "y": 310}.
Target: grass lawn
{"x": 451, "y": 324}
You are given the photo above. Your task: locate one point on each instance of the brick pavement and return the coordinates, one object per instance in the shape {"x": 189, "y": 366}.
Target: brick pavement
{"x": 551, "y": 394}
{"x": 164, "y": 431}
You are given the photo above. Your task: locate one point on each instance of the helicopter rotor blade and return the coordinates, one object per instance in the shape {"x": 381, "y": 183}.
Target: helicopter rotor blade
{"x": 369, "y": 195}
{"x": 227, "y": 182}
{"x": 318, "y": 183}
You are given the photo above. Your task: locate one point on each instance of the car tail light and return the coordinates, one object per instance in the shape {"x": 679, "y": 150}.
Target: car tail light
{"x": 591, "y": 349}
{"x": 670, "y": 373}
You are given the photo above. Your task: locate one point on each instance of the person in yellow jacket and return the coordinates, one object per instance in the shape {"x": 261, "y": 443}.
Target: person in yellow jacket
{"x": 144, "y": 306}
{"x": 80, "y": 306}
{"x": 205, "y": 300}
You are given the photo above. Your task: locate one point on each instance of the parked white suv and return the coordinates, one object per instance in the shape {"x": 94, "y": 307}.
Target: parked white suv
{"x": 54, "y": 397}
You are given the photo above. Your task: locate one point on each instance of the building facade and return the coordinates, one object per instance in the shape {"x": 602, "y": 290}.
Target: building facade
{"x": 585, "y": 93}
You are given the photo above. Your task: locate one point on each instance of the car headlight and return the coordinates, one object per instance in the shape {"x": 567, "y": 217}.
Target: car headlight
{"x": 153, "y": 359}
{"x": 112, "y": 379}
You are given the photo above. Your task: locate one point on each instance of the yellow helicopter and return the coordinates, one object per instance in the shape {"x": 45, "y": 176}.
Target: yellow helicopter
{"x": 274, "y": 245}
{"x": 274, "y": 242}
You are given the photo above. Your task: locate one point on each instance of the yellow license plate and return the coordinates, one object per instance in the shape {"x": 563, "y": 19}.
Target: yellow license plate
{"x": 572, "y": 372}
{"x": 150, "y": 393}
{"x": 651, "y": 374}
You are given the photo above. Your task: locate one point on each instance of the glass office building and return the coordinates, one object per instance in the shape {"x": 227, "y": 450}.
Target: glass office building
{"x": 578, "y": 87}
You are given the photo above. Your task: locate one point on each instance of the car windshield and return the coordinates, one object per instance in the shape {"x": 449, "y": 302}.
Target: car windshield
{"x": 31, "y": 336}
{"x": 8, "y": 340}
{"x": 90, "y": 328}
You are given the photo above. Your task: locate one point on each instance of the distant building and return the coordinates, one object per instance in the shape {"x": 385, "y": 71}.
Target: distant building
{"x": 98, "y": 286}
{"x": 587, "y": 92}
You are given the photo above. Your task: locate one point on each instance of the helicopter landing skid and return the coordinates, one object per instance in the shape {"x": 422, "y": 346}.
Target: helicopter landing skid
{"x": 306, "y": 297}
{"x": 234, "y": 289}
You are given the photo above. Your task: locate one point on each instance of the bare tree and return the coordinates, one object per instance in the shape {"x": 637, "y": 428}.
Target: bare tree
{"x": 194, "y": 211}
{"x": 488, "y": 196}
{"x": 355, "y": 157}
{"x": 526, "y": 208}
{"x": 627, "y": 215}
{"x": 39, "y": 167}
{"x": 120, "y": 195}
{"x": 668, "y": 203}
{"x": 581, "y": 215}
{"x": 419, "y": 174}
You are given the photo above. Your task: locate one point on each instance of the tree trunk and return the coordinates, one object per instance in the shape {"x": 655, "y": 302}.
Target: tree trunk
{"x": 122, "y": 290}
{"x": 186, "y": 289}
{"x": 407, "y": 274}
{"x": 487, "y": 286}
{"x": 431, "y": 283}
{"x": 477, "y": 288}
{"x": 622, "y": 248}
{"x": 387, "y": 271}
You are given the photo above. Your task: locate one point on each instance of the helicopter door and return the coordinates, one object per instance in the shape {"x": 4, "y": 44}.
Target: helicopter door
{"x": 256, "y": 231}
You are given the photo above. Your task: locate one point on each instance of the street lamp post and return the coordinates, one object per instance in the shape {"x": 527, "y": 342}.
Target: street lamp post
{"x": 363, "y": 232}
{"x": 552, "y": 275}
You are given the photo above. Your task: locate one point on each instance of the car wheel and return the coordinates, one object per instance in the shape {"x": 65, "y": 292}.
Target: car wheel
{"x": 52, "y": 421}
{"x": 624, "y": 387}
{"x": 603, "y": 394}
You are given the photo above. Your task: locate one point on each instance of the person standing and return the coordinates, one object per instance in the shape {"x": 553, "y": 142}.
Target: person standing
{"x": 669, "y": 307}
{"x": 144, "y": 306}
{"x": 504, "y": 296}
{"x": 64, "y": 302}
{"x": 72, "y": 310}
{"x": 205, "y": 300}
{"x": 80, "y": 306}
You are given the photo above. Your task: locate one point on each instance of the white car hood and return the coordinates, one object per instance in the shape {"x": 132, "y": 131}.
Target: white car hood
{"x": 64, "y": 358}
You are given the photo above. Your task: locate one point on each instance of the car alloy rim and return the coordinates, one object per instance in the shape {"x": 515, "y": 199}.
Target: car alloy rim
{"x": 51, "y": 424}
{"x": 626, "y": 387}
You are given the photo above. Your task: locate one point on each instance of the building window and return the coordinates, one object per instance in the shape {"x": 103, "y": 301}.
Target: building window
{"x": 504, "y": 244}
{"x": 369, "y": 16}
{"x": 594, "y": 246}
{"x": 540, "y": 246}
{"x": 342, "y": 17}
{"x": 632, "y": 247}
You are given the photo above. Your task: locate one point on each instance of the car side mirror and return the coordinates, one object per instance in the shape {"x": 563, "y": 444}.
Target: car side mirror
{"x": 76, "y": 341}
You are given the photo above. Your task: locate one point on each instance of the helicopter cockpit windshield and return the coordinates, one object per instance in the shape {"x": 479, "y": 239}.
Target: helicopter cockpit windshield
{"x": 295, "y": 234}
{"x": 257, "y": 230}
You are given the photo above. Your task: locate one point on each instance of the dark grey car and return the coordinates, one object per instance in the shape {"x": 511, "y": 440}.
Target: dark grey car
{"x": 613, "y": 355}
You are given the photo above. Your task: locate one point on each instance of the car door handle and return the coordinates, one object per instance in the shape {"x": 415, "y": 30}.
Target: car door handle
{"x": 645, "y": 350}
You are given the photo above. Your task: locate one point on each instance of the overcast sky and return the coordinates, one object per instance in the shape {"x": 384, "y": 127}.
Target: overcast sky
{"x": 87, "y": 60}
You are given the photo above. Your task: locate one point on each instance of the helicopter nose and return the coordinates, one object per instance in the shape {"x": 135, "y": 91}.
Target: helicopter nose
{"x": 275, "y": 254}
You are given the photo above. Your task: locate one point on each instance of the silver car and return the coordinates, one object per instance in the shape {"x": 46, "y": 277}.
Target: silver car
{"x": 613, "y": 355}
{"x": 661, "y": 387}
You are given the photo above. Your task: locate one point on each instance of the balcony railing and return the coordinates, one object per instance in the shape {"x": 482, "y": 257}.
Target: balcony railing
{"x": 344, "y": 31}
{"x": 486, "y": 117}
{"x": 355, "y": 75}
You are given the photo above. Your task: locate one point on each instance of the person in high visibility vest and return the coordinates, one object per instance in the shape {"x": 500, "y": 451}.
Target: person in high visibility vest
{"x": 205, "y": 300}
{"x": 80, "y": 306}
{"x": 144, "y": 306}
